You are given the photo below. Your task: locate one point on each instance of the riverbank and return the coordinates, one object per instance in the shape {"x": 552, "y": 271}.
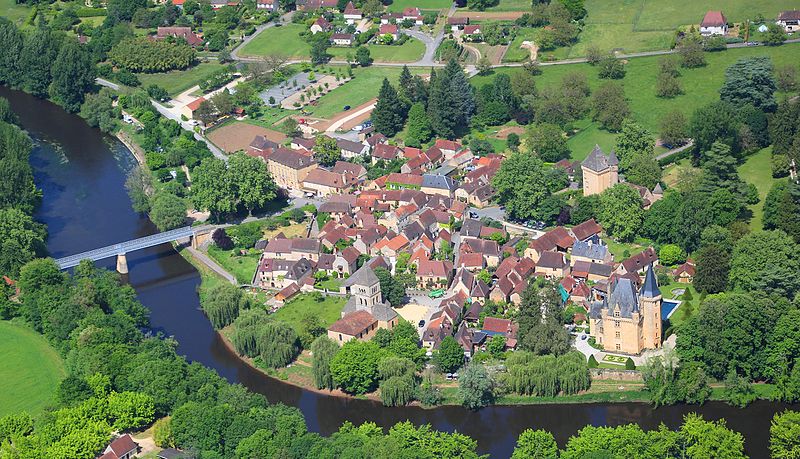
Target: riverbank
{"x": 136, "y": 150}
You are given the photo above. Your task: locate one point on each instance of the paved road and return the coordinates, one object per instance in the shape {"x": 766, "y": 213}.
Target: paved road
{"x": 107, "y": 84}
{"x": 212, "y": 265}
{"x": 675, "y": 151}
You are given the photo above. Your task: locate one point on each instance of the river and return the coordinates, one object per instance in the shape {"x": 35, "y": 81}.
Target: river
{"x": 82, "y": 173}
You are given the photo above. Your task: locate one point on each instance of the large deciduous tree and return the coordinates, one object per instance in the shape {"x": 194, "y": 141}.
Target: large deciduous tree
{"x": 73, "y": 74}
{"x": 355, "y": 367}
{"x": 521, "y": 185}
{"x": 547, "y": 141}
{"x": 621, "y": 212}
{"x": 766, "y": 261}
{"x": 609, "y": 106}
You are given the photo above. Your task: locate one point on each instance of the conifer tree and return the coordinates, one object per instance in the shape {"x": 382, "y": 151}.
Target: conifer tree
{"x": 419, "y": 127}
{"x": 389, "y": 113}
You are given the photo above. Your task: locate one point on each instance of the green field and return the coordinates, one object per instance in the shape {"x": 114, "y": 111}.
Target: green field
{"x": 667, "y": 15}
{"x": 410, "y": 51}
{"x": 329, "y": 310}
{"x": 30, "y": 372}
{"x": 400, "y": 5}
{"x": 177, "y": 81}
{"x": 757, "y": 169}
{"x": 278, "y": 40}
{"x": 15, "y": 13}
{"x": 361, "y": 89}
{"x": 701, "y": 86}
{"x": 241, "y": 266}
{"x": 286, "y": 41}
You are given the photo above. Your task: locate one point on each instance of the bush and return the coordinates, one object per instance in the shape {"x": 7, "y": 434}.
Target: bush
{"x": 593, "y": 362}
{"x": 221, "y": 239}
{"x": 127, "y": 78}
{"x": 629, "y": 364}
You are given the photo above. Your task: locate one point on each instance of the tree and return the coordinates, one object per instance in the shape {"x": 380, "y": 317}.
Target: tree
{"x": 521, "y": 185}
{"x": 609, "y": 106}
{"x": 38, "y": 54}
{"x": 691, "y": 53}
{"x": 715, "y": 122}
{"x": 319, "y": 51}
{"x": 538, "y": 444}
{"x": 671, "y": 255}
{"x": 786, "y": 78}
{"x": 611, "y": 68}
{"x": 480, "y": 5}
{"x": 496, "y": 346}
{"x": 633, "y": 141}
{"x": 451, "y": 101}
{"x": 784, "y": 435}
{"x": 713, "y": 266}
{"x": 668, "y": 86}
{"x": 398, "y": 390}
{"x": 644, "y": 170}
{"x": 212, "y": 187}
{"x": 673, "y": 128}
{"x": 389, "y": 113}
{"x": 99, "y": 112}
{"x": 483, "y": 66}
{"x": 223, "y": 303}
{"x": 130, "y": 410}
{"x": 73, "y": 390}
{"x": 250, "y": 177}
{"x": 162, "y": 433}
{"x": 168, "y": 211}
{"x": 782, "y": 208}
{"x": 73, "y": 75}
{"x": 23, "y": 240}
{"x": 621, "y": 212}
{"x": 775, "y": 35}
{"x": 540, "y": 316}
{"x": 392, "y": 290}
{"x": 139, "y": 54}
{"x": 450, "y": 355}
{"x": 750, "y": 81}
{"x": 323, "y": 350}
{"x": 738, "y": 390}
{"x": 363, "y": 56}
{"x": 475, "y": 386}
{"x": 764, "y": 261}
{"x": 419, "y": 127}
{"x": 547, "y": 141}
{"x": 355, "y": 367}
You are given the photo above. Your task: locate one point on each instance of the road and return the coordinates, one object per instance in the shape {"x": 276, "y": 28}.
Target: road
{"x": 333, "y": 127}
{"x": 212, "y": 265}
{"x": 675, "y": 151}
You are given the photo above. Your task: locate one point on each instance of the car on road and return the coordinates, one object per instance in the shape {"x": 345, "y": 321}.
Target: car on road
{"x": 421, "y": 323}
{"x": 473, "y": 214}
{"x": 310, "y": 195}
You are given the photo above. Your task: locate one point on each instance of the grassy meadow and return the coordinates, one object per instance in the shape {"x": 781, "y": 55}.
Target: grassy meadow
{"x": 30, "y": 370}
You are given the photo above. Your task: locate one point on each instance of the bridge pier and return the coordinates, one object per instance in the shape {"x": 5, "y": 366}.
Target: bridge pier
{"x": 122, "y": 264}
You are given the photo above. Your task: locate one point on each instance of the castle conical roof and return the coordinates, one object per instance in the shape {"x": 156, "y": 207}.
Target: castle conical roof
{"x": 650, "y": 287}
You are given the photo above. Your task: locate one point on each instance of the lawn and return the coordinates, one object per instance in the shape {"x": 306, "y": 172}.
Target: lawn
{"x": 30, "y": 372}
{"x": 647, "y": 25}
{"x": 177, "y": 81}
{"x": 329, "y": 310}
{"x": 757, "y": 169}
{"x": 241, "y": 266}
{"x": 400, "y": 5}
{"x": 15, "y": 13}
{"x": 362, "y": 88}
{"x": 410, "y": 51}
{"x": 283, "y": 40}
{"x": 700, "y": 85}
{"x": 332, "y": 284}
{"x": 512, "y": 5}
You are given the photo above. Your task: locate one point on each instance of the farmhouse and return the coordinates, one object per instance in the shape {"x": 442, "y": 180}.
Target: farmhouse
{"x": 352, "y": 14}
{"x": 789, "y": 20}
{"x": 321, "y": 25}
{"x": 121, "y": 448}
{"x": 343, "y": 39}
{"x": 388, "y": 29}
{"x": 714, "y": 23}
{"x": 184, "y": 33}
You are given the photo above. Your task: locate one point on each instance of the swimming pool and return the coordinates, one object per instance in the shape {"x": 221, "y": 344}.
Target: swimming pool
{"x": 668, "y": 307}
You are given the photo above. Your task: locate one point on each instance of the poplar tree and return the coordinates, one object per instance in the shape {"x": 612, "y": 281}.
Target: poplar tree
{"x": 73, "y": 75}
{"x": 40, "y": 50}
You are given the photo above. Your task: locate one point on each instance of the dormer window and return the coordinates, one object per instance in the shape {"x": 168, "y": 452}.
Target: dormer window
{"x": 616, "y": 313}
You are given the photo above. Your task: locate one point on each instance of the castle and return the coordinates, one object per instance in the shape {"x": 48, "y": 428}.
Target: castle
{"x": 600, "y": 172}
{"x": 626, "y": 321}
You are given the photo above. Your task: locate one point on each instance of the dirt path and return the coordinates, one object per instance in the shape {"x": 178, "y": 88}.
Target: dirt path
{"x": 342, "y": 118}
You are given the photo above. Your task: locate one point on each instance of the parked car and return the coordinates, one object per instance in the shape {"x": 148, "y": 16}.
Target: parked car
{"x": 421, "y": 323}
{"x": 473, "y": 214}
{"x": 346, "y": 107}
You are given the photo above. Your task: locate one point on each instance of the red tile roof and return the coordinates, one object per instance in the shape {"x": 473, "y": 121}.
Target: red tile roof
{"x": 353, "y": 323}
{"x": 714, "y": 19}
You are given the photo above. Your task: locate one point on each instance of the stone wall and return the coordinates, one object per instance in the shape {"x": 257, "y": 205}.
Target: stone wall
{"x": 615, "y": 375}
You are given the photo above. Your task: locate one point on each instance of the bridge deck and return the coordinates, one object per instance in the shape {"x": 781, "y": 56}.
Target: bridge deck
{"x": 125, "y": 247}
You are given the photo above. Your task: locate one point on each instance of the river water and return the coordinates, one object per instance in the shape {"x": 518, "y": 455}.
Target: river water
{"x": 82, "y": 174}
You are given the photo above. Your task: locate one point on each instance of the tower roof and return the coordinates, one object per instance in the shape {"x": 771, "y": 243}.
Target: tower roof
{"x": 658, "y": 189}
{"x": 650, "y": 287}
{"x": 597, "y": 161}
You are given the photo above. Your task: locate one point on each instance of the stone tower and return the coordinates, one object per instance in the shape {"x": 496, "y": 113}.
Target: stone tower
{"x": 600, "y": 172}
{"x": 366, "y": 289}
{"x": 650, "y": 305}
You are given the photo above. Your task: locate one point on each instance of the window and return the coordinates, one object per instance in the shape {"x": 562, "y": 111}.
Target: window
{"x": 340, "y": 336}
{"x": 616, "y": 313}
{"x": 616, "y": 335}
{"x": 616, "y": 323}
{"x": 617, "y": 346}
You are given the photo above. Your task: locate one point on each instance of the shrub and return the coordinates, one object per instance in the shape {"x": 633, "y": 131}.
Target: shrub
{"x": 593, "y": 362}
{"x": 630, "y": 364}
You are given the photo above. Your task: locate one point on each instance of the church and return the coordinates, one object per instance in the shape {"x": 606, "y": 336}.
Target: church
{"x": 625, "y": 320}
